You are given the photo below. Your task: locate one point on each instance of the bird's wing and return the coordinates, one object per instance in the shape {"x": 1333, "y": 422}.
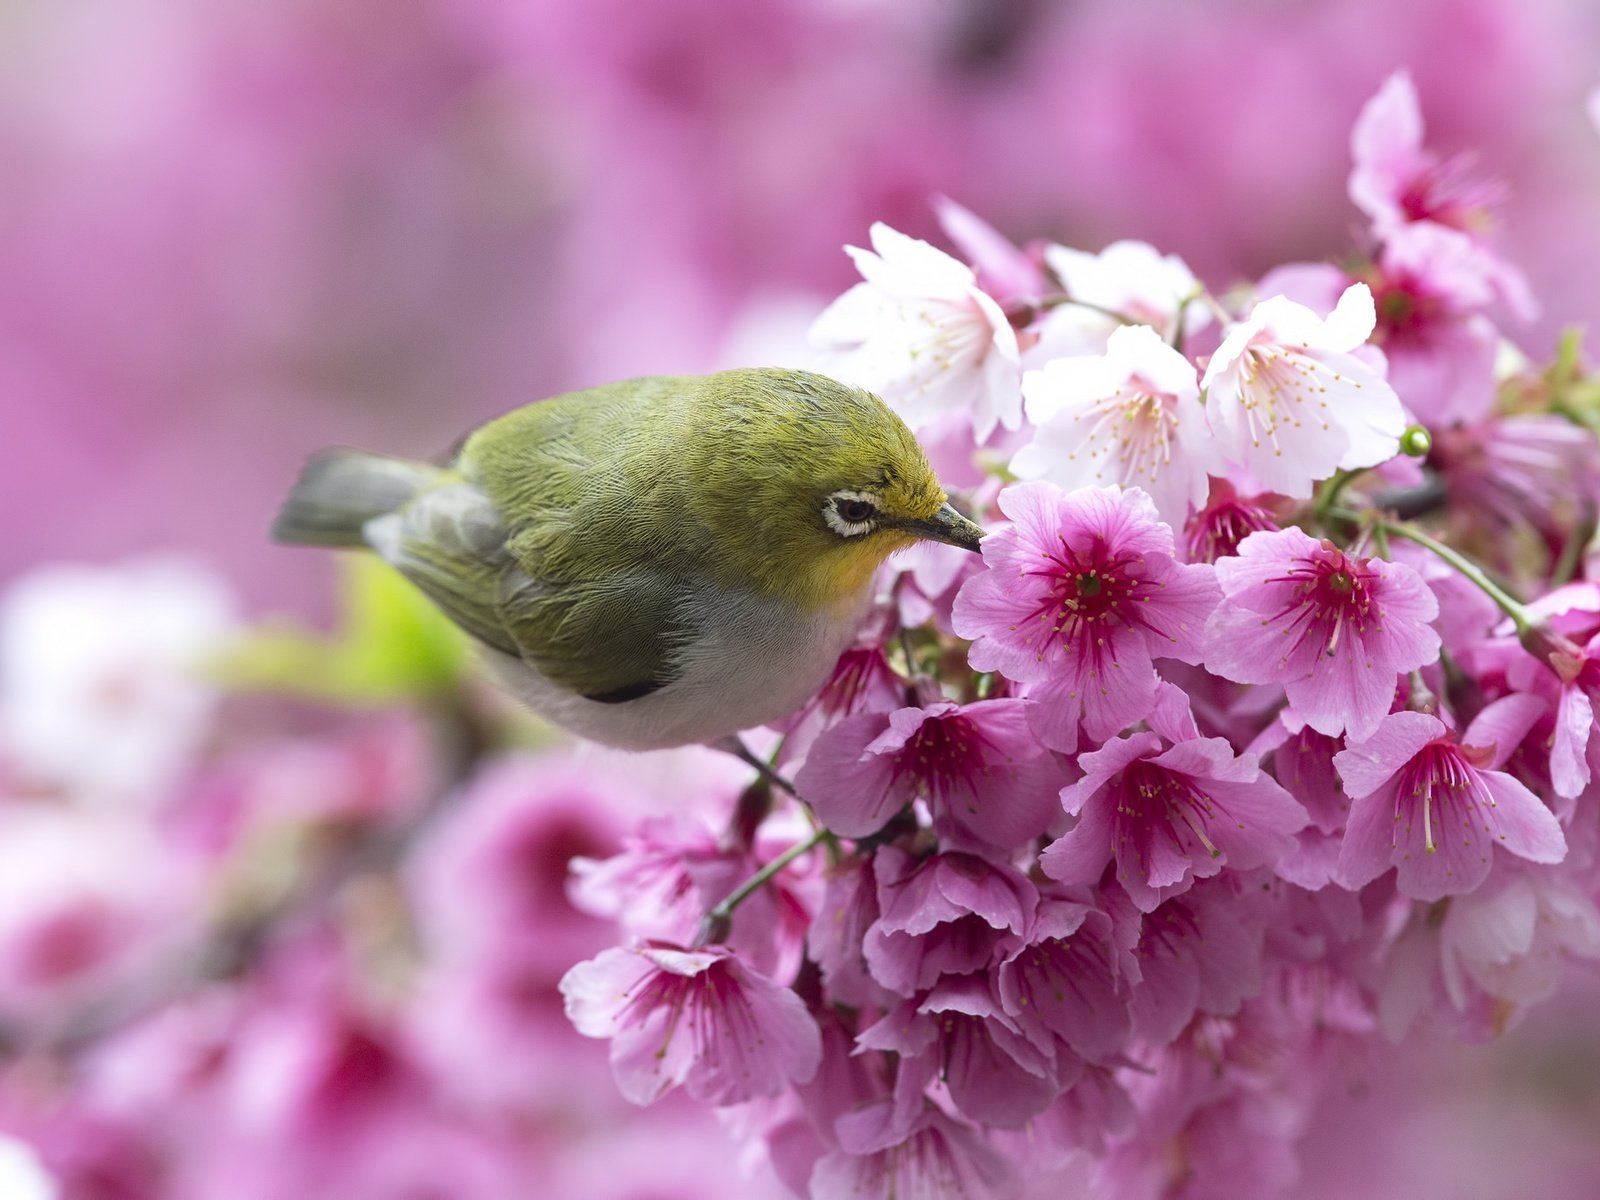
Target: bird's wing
{"x": 612, "y": 639}
{"x": 609, "y": 639}
{"x": 450, "y": 542}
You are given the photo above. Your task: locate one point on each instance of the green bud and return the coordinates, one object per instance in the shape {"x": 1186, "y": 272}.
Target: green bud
{"x": 1416, "y": 441}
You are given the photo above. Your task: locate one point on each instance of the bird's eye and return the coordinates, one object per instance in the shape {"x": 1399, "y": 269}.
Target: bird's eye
{"x": 856, "y": 511}
{"x": 850, "y": 514}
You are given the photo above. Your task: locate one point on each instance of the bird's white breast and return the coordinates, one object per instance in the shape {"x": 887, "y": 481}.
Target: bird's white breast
{"x": 756, "y": 659}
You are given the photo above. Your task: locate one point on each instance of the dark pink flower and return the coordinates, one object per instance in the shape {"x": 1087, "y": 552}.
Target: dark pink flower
{"x": 1227, "y": 519}
{"x": 848, "y": 909}
{"x": 949, "y": 914}
{"x": 862, "y": 681}
{"x": 1171, "y": 815}
{"x": 1434, "y": 809}
{"x": 696, "y": 1017}
{"x": 1081, "y": 593}
{"x": 1063, "y": 988}
{"x": 1200, "y": 952}
{"x": 959, "y": 1034}
{"x": 986, "y": 778}
{"x": 1302, "y": 761}
{"x": 1334, "y": 629}
{"x": 938, "y": 1157}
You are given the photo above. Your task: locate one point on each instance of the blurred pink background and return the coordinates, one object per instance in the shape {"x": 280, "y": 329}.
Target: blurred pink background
{"x": 234, "y": 233}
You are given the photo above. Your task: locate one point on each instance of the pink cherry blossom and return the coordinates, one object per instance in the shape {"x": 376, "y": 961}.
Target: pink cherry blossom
{"x": 1336, "y": 630}
{"x": 1200, "y": 952}
{"x": 1169, "y": 815}
{"x": 950, "y": 914}
{"x": 1130, "y": 416}
{"x": 674, "y": 869}
{"x": 1081, "y": 593}
{"x": 1435, "y": 809}
{"x": 1291, "y": 402}
{"x": 1007, "y": 273}
{"x": 862, "y": 681}
{"x": 922, "y": 334}
{"x": 700, "y": 1018}
{"x": 987, "y": 779}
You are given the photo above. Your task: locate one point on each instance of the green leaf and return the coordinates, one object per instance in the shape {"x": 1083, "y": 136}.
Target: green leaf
{"x": 392, "y": 645}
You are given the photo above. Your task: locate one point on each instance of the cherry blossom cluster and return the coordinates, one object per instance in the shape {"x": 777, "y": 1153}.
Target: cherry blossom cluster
{"x": 1260, "y": 732}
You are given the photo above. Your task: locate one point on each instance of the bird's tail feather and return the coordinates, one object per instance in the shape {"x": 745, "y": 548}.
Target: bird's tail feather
{"x": 339, "y": 491}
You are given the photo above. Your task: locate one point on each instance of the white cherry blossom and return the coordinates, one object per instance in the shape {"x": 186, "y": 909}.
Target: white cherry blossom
{"x": 922, "y": 334}
{"x": 1131, "y": 416}
{"x": 1291, "y": 402}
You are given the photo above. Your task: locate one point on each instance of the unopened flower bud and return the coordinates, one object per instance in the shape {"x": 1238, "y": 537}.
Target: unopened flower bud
{"x": 1416, "y": 441}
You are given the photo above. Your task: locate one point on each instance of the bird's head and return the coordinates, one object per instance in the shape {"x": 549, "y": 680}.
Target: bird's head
{"x": 833, "y": 483}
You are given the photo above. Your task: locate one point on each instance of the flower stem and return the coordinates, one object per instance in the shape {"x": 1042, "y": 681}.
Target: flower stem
{"x": 1046, "y": 303}
{"x": 1508, "y": 604}
{"x": 714, "y": 927}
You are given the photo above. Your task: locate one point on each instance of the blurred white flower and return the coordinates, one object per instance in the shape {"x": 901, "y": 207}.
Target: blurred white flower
{"x": 1130, "y": 416}
{"x": 22, "y": 1175}
{"x": 922, "y": 334}
{"x": 99, "y": 694}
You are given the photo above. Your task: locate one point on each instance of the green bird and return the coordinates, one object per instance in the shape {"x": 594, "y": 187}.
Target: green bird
{"x": 655, "y": 562}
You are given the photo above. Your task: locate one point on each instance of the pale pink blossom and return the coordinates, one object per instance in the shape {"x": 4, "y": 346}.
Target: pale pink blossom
{"x": 1168, "y": 815}
{"x": 1080, "y": 595}
{"x": 922, "y": 334}
{"x": 1435, "y": 809}
{"x": 1510, "y": 938}
{"x": 1130, "y": 416}
{"x": 699, "y": 1018}
{"x": 1335, "y": 629}
{"x": 93, "y": 904}
{"x": 1127, "y": 280}
{"x": 1395, "y": 181}
{"x": 1291, "y": 402}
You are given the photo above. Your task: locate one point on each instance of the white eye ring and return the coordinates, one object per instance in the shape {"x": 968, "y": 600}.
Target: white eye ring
{"x": 836, "y": 521}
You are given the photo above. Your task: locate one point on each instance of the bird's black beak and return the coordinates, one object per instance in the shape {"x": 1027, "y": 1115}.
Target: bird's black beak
{"x": 947, "y": 526}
